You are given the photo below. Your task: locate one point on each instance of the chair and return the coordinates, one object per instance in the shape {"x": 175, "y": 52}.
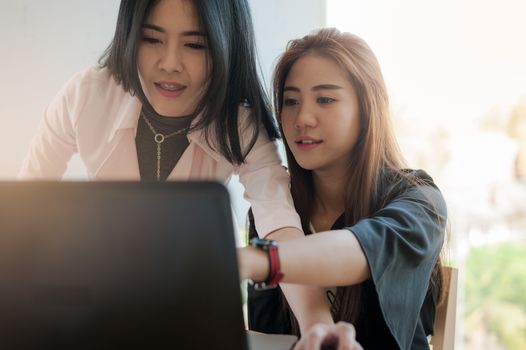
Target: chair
{"x": 444, "y": 332}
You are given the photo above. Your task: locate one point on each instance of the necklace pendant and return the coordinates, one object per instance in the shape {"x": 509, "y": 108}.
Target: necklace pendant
{"x": 159, "y": 138}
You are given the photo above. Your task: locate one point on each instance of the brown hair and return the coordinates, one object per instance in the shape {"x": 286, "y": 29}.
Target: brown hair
{"x": 376, "y": 159}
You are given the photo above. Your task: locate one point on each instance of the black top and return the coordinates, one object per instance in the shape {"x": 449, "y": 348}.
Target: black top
{"x": 401, "y": 242}
{"x": 171, "y": 149}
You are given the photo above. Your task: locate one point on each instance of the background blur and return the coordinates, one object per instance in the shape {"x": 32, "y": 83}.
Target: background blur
{"x": 456, "y": 73}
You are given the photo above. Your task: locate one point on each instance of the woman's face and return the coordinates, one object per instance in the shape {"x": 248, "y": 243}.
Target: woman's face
{"x": 320, "y": 115}
{"x": 172, "y": 58}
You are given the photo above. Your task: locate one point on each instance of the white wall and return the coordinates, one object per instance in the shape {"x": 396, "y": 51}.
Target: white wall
{"x": 46, "y": 42}
{"x": 278, "y": 21}
{"x": 43, "y": 44}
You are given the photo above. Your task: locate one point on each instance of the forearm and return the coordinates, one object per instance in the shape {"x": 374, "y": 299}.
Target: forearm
{"x": 331, "y": 258}
{"x": 308, "y": 303}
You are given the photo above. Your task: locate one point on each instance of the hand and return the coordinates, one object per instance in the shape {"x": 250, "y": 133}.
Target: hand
{"x": 340, "y": 336}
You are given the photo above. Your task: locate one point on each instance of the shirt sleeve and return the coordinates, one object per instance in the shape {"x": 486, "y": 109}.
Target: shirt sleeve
{"x": 267, "y": 187}
{"x": 54, "y": 143}
{"x": 402, "y": 242}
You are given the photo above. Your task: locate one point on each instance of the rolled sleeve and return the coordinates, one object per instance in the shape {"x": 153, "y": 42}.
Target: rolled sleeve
{"x": 402, "y": 242}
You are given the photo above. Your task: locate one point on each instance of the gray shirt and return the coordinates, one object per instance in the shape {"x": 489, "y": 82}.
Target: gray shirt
{"x": 171, "y": 149}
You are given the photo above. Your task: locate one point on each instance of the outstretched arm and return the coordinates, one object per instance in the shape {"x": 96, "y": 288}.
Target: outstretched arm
{"x": 332, "y": 258}
{"x": 308, "y": 303}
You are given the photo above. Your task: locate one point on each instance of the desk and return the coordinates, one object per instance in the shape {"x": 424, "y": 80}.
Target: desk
{"x": 261, "y": 341}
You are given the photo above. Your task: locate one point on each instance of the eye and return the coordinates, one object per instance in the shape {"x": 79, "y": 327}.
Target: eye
{"x": 290, "y": 102}
{"x": 195, "y": 46}
{"x": 151, "y": 40}
{"x": 325, "y": 100}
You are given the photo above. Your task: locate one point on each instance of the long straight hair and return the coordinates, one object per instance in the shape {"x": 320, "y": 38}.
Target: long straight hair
{"x": 376, "y": 161}
{"x": 233, "y": 79}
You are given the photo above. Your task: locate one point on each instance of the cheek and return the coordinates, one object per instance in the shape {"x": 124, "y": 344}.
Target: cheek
{"x": 288, "y": 129}
{"x": 200, "y": 72}
{"x": 350, "y": 122}
{"x": 142, "y": 60}
{"x": 350, "y": 133}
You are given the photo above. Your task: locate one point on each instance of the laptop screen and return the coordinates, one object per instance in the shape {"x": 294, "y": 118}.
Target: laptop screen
{"x": 114, "y": 265}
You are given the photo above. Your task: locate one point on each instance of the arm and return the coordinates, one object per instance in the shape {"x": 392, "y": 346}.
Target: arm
{"x": 266, "y": 185}
{"x": 308, "y": 303}
{"x": 336, "y": 258}
{"x": 331, "y": 258}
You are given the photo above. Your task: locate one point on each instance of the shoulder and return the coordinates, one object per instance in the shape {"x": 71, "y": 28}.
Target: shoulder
{"x": 420, "y": 177}
{"x": 397, "y": 182}
{"x": 244, "y": 119}
{"x": 414, "y": 186}
{"x": 93, "y": 91}
{"x": 252, "y": 135}
{"x": 247, "y": 133}
{"x": 92, "y": 82}
{"x": 99, "y": 107}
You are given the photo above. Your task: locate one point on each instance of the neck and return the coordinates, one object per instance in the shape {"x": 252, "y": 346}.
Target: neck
{"x": 330, "y": 192}
{"x": 152, "y": 113}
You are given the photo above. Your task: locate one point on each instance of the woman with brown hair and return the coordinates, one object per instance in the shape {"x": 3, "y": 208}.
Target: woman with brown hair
{"x": 374, "y": 228}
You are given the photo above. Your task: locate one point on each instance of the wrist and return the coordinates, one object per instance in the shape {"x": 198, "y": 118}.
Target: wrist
{"x": 273, "y": 274}
{"x": 258, "y": 262}
{"x": 322, "y": 318}
{"x": 253, "y": 264}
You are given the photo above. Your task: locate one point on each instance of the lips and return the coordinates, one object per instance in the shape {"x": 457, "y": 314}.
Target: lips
{"x": 170, "y": 89}
{"x": 307, "y": 143}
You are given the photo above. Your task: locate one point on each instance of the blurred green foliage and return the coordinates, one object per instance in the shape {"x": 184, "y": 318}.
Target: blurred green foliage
{"x": 495, "y": 299}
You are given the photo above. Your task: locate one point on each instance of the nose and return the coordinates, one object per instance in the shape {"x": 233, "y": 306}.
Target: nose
{"x": 171, "y": 60}
{"x": 305, "y": 118}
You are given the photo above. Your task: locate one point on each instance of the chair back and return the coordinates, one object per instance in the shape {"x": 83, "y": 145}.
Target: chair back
{"x": 444, "y": 330}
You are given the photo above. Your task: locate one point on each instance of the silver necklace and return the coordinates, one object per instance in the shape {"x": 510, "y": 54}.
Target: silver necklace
{"x": 159, "y": 139}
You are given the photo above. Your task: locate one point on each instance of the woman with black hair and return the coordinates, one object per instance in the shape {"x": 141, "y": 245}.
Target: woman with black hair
{"x": 176, "y": 97}
{"x": 374, "y": 228}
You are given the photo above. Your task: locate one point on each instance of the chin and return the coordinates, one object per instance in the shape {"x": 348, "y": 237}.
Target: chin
{"x": 167, "y": 112}
{"x": 308, "y": 165}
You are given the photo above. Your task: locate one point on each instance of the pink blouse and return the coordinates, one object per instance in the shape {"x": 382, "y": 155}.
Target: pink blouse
{"x": 93, "y": 116}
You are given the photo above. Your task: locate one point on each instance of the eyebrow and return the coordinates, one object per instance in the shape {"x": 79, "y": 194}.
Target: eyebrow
{"x": 314, "y": 88}
{"x": 162, "y": 30}
{"x": 326, "y": 87}
{"x": 291, "y": 88}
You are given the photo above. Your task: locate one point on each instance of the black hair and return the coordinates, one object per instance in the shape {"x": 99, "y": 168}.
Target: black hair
{"x": 233, "y": 80}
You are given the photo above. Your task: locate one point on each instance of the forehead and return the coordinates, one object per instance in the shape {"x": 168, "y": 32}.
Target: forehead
{"x": 181, "y": 14}
{"x": 314, "y": 69}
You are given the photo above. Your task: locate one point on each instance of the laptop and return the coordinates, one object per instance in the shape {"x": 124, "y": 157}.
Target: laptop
{"x": 120, "y": 265}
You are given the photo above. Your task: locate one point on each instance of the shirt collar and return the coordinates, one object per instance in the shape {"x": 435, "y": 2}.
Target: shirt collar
{"x": 128, "y": 116}
{"x": 129, "y": 119}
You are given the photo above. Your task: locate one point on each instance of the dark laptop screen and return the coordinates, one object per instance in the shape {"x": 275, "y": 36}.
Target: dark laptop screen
{"x": 115, "y": 265}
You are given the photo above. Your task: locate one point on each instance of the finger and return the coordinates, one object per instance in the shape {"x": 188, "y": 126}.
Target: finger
{"x": 330, "y": 342}
{"x": 299, "y": 345}
{"x": 346, "y": 335}
{"x": 314, "y": 337}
